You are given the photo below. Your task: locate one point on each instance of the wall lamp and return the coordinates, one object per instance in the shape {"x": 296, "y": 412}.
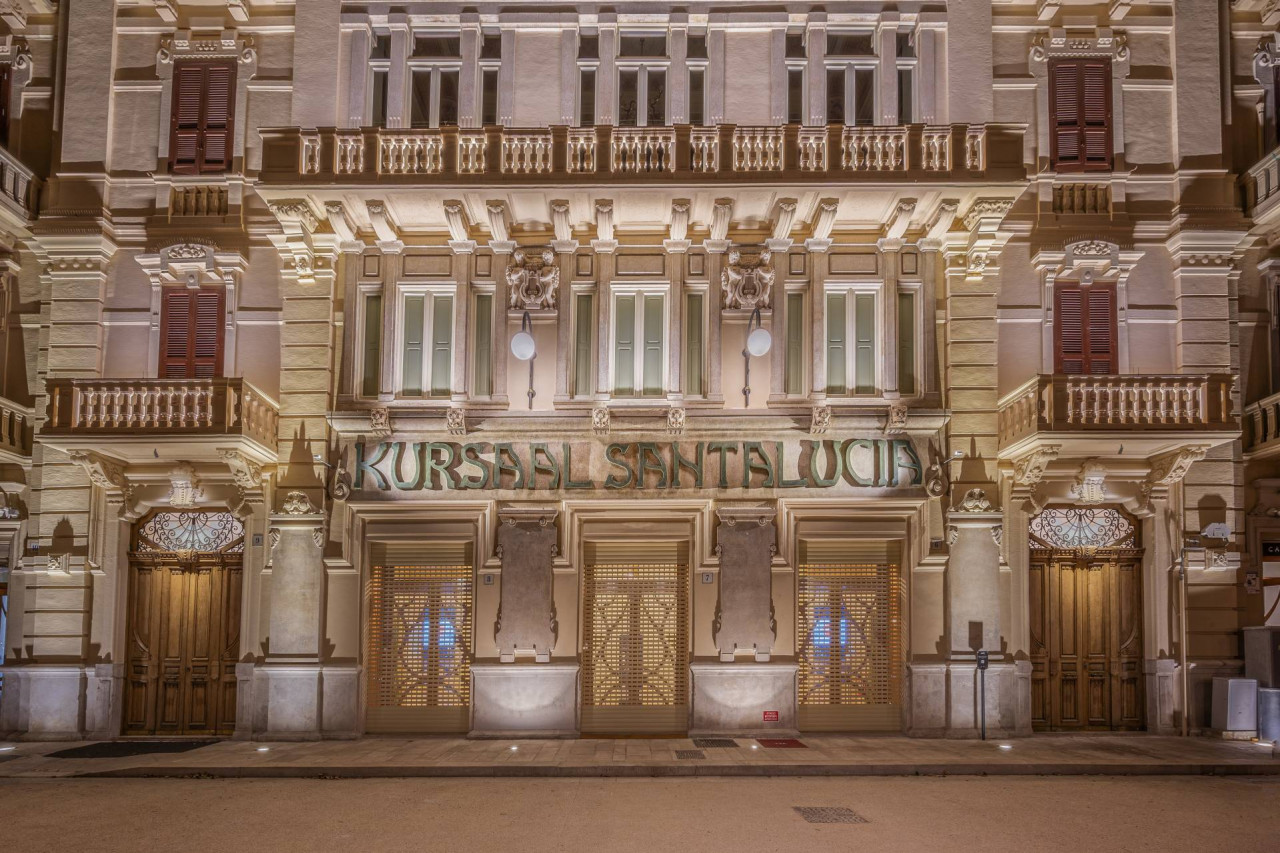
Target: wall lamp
{"x": 524, "y": 348}
{"x": 758, "y": 343}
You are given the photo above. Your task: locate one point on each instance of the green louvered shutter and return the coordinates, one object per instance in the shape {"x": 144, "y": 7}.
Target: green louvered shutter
{"x": 482, "y": 357}
{"x": 624, "y": 345}
{"x": 907, "y": 343}
{"x": 653, "y": 335}
{"x": 794, "y": 377}
{"x": 371, "y": 357}
{"x": 693, "y": 345}
{"x": 865, "y": 354}
{"x": 583, "y": 318}
{"x": 836, "y": 344}
{"x": 441, "y": 345}
{"x": 414, "y": 307}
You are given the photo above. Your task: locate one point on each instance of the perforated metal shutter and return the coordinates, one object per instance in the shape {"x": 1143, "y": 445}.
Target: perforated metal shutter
{"x": 636, "y": 638}
{"x": 849, "y": 635}
{"x": 419, "y": 645}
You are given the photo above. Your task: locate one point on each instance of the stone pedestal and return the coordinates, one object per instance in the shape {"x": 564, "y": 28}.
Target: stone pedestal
{"x": 104, "y": 708}
{"x": 45, "y": 702}
{"x": 1262, "y": 655}
{"x": 292, "y": 669}
{"x": 745, "y": 538}
{"x": 524, "y": 700}
{"x": 734, "y": 699}
{"x": 527, "y": 611}
{"x": 946, "y": 700}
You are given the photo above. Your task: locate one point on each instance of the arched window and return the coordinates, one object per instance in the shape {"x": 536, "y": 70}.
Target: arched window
{"x": 197, "y": 532}
{"x": 1074, "y": 528}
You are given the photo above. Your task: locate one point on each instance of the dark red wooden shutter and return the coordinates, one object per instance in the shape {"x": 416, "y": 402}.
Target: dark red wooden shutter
{"x": 1085, "y": 329}
{"x": 1101, "y": 329}
{"x": 1068, "y": 323}
{"x": 1080, "y": 103}
{"x": 191, "y": 334}
{"x": 203, "y": 108}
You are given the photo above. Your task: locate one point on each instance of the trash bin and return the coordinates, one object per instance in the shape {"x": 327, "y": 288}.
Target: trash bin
{"x": 1269, "y": 714}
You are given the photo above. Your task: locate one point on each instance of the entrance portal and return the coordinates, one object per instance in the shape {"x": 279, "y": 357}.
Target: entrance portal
{"x": 420, "y": 625}
{"x": 185, "y": 575}
{"x": 635, "y": 652}
{"x": 1086, "y": 621}
{"x": 849, "y": 636}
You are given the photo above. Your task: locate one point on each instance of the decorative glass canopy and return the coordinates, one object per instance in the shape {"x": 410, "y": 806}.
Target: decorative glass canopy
{"x": 204, "y": 532}
{"x": 1076, "y": 528}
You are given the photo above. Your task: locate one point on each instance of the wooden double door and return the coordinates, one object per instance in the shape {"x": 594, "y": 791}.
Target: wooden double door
{"x": 1086, "y": 639}
{"x": 184, "y": 639}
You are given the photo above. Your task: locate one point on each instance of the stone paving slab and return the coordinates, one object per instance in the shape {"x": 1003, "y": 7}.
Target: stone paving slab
{"x": 826, "y": 755}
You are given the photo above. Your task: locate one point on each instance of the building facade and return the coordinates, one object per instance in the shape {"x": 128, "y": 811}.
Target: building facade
{"x": 505, "y": 369}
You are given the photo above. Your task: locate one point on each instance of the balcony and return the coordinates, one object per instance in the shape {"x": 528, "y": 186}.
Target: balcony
{"x": 15, "y": 432}
{"x": 1097, "y": 415}
{"x": 18, "y": 190}
{"x": 192, "y": 418}
{"x": 1262, "y": 427}
{"x": 1262, "y": 187}
{"x": 682, "y": 154}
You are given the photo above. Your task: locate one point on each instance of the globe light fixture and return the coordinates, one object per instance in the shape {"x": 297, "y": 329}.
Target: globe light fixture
{"x": 758, "y": 343}
{"x": 525, "y": 348}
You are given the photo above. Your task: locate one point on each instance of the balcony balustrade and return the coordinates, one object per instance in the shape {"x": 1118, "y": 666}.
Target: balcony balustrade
{"x": 1262, "y": 426}
{"x": 1057, "y": 406}
{"x": 991, "y": 153}
{"x": 15, "y": 431}
{"x": 147, "y": 408}
{"x": 18, "y": 188}
{"x": 1262, "y": 187}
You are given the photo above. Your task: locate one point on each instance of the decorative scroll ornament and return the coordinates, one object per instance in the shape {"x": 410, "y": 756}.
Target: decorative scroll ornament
{"x": 600, "y": 420}
{"x": 975, "y": 500}
{"x": 1077, "y": 529}
{"x": 192, "y": 532}
{"x": 935, "y": 481}
{"x": 675, "y": 420}
{"x": 341, "y": 488}
{"x": 184, "y": 491}
{"x": 1090, "y": 484}
{"x": 820, "y": 420}
{"x": 297, "y": 503}
{"x": 246, "y": 473}
{"x": 1172, "y": 467}
{"x": 455, "y": 420}
{"x": 748, "y": 286}
{"x": 534, "y": 283}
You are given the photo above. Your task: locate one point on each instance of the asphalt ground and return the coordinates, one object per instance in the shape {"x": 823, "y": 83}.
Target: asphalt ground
{"x": 713, "y": 814}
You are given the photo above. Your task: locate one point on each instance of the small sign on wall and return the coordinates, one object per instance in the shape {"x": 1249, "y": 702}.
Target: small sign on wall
{"x": 1271, "y": 549}
{"x": 771, "y": 716}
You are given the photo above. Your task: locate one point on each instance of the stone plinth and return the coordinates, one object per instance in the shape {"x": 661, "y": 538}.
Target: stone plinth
{"x": 524, "y": 700}
{"x": 746, "y": 538}
{"x": 732, "y": 699}
{"x": 527, "y": 611}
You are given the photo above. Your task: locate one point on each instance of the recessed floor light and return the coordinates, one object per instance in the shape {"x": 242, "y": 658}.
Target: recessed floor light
{"x": 264, "y": 749}
{"x": 7, "y": 748}
{"x": 1005, "y": 746}
{"x": 514, "y": 748}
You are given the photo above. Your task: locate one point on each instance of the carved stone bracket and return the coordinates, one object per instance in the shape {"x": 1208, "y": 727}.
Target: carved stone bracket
{"x": 1090, "y": 485}
{"x": 600, "y": 420}
{"x": 1103, "y": 43}
{"x": 987, "y": 208}
{"x": 534, "y": 283}
{"x": 380, "y": 422}
{"x": 1029, "y": 470}
{"x": 297, "y": 503}
{"x": 455, "y": 419}
{"x": 820, "y": 420}
{"x": 246, "y": 474}
{"x": 675, "y": 420}
{"x": 897, "y": 422}
{"x": 106, "y": 475}
{"x": 184, "y": 487}
{"x": 975, "y": 500}
{"x": 1170, "y": 468}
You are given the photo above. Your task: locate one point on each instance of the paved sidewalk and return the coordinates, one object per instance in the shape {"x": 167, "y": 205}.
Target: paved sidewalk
{"x": 822, "y": 755}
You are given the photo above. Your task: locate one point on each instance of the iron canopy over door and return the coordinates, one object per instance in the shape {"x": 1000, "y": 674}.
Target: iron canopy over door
{"x": 849, "y": 640}
{"x": 421, "y": 609}
{"x": 183, "y": 619}
{"x": 1086, "y": 621}
{"x": 635, "y": 650}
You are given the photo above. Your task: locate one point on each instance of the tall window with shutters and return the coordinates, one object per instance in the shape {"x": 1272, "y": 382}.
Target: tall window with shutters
{"x": 1080, "y": 101}
{"x": 203, "y": 111}
{"x": 1085, "y": 328}
{"x": 191, "y": 322}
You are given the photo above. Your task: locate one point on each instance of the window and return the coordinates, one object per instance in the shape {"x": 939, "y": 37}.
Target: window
{"x": 795, "y": 95}
{"x": 426, "y": 344}
{"x": 584, "y": 322}
{"x": 379, "y": 112}
{"x": 697, "y": 96}
{"x": 851, "y": 342}
{"x": 490, "y": 63}
{"x": 906, "y": 93}
{"x": 850, "y": 44}
{"x": 191, "y": 322}
{"x": 1080, "y": 101}
{"x": 642, "y": 81}
{"x": 203, "y": 106}
{"x": 638, "y": 344}
{"x": 694, "y": 345}
{"x": 588, "y": 62}
{"x": 696, "y": 47}
{"x": 482, "y": 358}
{"x": 851, "y": 92}
{"x": 907, "y": 343}
{"x": 371, "y": 348}
{"x": 1085, "y": 328}
{"x": 5, "y": 83}
{"x": 435, "y": 97}
{"x": 793, "y": 378}
{"x": 437, "y": 46}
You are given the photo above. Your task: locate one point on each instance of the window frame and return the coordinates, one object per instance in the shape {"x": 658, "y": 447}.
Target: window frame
{"x": 704, "y": 292}
{"x": 800, "y": 289}
{"x": 430, "y": 292}
{"x": 436, "y": 66}
{"x": 219, "y": 359}
{"x": 850, "y": 65}
{"x": 576, "y": 319}
{"x": 916, "y": 288}
{"x": 854, "y": 288}
{"x": 363, "y": 292}
{"x": 1086, "y": 357}
{"x": 199, "y": 166}
{"x": 1082, "y": 125}
{"x": 642, "y": 65}
{"x": 475, "y": 315}
{"x": 639, "y": 290}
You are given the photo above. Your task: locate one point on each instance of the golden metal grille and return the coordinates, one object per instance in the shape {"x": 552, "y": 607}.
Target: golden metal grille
{"x": 420, "y": 636}
{"x": 637, "y": 637}
{"x": 850, "y": 634}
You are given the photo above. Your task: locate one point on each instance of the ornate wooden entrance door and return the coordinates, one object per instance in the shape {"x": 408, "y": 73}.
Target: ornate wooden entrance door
{"x": 184, "y": 625}
{"x": 1086, "y": 623}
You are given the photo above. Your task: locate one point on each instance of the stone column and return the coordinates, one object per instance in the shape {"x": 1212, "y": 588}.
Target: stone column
{"x": 887, "y": 36}
{"x": 890, "y": 250}
{"x": 390, "y": 269}
{"x": 295, "y": 642}
{"x": 970, "y": 57}
{"x": 398, "y": 80}
{"x": 932, "y": 266}
{"x": 678, "y": 81}
{"x": 469, "y": 75}
{"x": 525, "y": 694}
{"x": 357, "y": 76}
{"x": 817, "y": 70}
{"x": 818, "y": 258}
{"x": 607, "y": 73}
{"x": 736, "y": 696}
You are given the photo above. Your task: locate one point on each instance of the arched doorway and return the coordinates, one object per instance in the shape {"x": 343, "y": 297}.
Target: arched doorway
{"x": 185, "y": 575}
{"x": 1085, "y": 586}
